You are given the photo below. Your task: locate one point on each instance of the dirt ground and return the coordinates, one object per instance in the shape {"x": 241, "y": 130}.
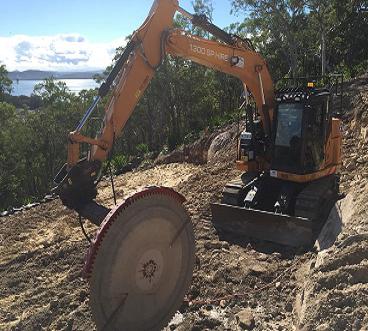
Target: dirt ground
{"x": 238, "y": 283}
{"x": 334, "y": 294}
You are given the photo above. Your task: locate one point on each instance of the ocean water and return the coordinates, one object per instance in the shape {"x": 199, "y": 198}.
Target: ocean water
{"x": 25, "y": 87}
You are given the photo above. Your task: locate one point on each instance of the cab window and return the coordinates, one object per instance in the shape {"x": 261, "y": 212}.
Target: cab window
{"x": 288, "y": 137}
{"x": 289, "y": 124}
{"x": 315, "y": 131}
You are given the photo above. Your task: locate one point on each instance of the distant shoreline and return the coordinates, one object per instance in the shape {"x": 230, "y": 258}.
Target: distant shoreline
{"x": 56, "y": 78}
{"x": 26, "y": 86}
{"x": 57, "y": 75}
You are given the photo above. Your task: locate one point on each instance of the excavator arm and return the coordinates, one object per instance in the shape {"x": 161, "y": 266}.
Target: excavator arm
{"x": 132, "y": 74}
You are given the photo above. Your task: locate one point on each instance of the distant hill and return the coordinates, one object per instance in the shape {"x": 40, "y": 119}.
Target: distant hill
{"x": 40, "y": 75}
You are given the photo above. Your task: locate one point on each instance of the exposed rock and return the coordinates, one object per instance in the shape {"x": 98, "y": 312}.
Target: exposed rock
{"x": 245, "y": 319}
{"x": 195, "y": 153}
{"x": 212, "y": 245}
{"x": 210, "y": 147}
{"x": 217, "y": 145}
{"x": 257, "y": 269}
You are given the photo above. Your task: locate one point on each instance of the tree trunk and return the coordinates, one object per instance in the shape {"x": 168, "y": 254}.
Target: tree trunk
{"x": 323, "y": 52}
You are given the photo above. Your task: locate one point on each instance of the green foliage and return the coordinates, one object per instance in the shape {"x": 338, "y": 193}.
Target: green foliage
{"x": 118, "y": 162}
{"x": 5, "y": 82}
{"x": 277, "y": 28}
{"x": 33, "y": 143}
{"x": 204, "y": 7}
{"x": 142, "y": 149}
{"x": 24, "y": 102}
{"x": 7, "y": 111}
{"x": 292, "y": 33}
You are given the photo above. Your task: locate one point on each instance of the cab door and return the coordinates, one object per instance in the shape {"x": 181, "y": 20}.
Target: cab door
{"x": 315, "y": 133}
{"x": 288, "y": 137}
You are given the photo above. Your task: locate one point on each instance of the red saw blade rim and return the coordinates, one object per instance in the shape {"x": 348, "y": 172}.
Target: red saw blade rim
{"x": 112, "y": 216}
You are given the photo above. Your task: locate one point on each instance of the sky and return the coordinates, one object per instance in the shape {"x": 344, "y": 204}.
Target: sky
{"x": 75, "y": 35}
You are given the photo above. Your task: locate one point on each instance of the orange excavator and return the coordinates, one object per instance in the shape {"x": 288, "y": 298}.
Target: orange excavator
{"x": 139, "y": 265}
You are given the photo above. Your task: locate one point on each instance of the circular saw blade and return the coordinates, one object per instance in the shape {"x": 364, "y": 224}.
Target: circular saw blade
{"x": 142, "y": 262}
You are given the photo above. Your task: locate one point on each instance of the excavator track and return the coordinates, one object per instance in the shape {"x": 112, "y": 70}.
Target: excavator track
{"x": 233, "y": 193}
{"x": 307, "y": 210}
{"x": 315, "y": 201}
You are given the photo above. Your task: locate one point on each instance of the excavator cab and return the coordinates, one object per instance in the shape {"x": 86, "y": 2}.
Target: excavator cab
{"x": 300, "y": 130}
{"x": 288, "y": 200}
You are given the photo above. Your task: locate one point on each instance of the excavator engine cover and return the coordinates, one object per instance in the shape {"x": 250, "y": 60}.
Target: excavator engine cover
{"x": 140, "y": 264}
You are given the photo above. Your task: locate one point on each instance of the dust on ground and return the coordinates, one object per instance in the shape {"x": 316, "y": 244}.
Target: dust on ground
{"x": 238, "y": 283}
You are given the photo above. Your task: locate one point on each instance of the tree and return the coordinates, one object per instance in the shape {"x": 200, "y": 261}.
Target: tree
{"x": 33, "y": 143}
{"x": 5, "y": 82}
{"x": 277, "y": 29}
{"x": 322, "y": 15}
{"x": 349, "y": 37}
{"x": 308, "y": 36}
{"x": 9, "y": 183}
{"x": 203, "y": 7}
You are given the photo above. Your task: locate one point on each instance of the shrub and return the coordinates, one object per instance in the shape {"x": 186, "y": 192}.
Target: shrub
{"x": 118, "y": 162}
{"x": 142, "y": 149}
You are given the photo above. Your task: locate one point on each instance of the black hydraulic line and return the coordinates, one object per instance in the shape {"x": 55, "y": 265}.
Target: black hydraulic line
{"x": 112, "y": 184}
{"x": 162, "y": 51}
{"x": 105, "y": 86}
{"x": 202, "y": 22}
{"x": 228, "y": 38}
{"x": 108, "y": 162}
{"x": 83, "y": 230}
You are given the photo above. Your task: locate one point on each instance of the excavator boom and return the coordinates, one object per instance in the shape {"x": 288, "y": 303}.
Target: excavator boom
{"x": 132, "y": 74}
{"x": 144, "y": 54}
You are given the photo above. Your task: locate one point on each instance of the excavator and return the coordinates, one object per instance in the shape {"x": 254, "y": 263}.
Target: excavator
{"x": 140, "y": 263}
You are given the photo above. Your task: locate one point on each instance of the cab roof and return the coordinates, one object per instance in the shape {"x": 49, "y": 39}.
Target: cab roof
{"x": 300, "y": 94}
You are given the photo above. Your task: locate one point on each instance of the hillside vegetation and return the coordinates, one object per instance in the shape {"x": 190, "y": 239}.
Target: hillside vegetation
{"x": 184, "y": 98}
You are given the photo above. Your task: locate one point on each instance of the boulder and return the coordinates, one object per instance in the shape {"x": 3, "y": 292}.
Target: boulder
{"x": 217, "y": 145}
{"x": 245, "y": 319}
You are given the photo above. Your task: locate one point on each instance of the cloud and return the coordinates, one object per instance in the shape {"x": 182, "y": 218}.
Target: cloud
{"x": 63, "y": 52}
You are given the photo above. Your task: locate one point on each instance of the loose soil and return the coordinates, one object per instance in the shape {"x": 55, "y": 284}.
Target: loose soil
{"x": 238, "y": 283}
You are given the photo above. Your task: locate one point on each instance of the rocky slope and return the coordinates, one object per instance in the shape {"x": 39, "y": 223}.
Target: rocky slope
{"x": 238, "y": 283}
{"x": 334, "y": 295}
